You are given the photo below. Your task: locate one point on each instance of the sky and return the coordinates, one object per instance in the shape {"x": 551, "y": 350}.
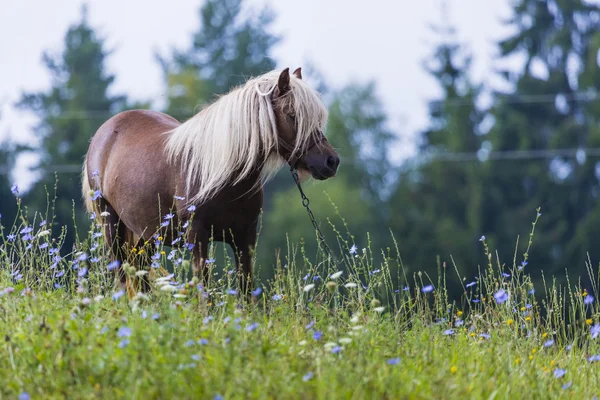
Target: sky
{"x": 385, "y": 41}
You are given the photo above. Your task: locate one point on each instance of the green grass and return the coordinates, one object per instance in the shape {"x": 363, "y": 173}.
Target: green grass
{"x": 70, "y": 336}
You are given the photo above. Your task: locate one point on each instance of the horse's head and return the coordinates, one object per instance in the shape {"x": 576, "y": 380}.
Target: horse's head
{"x": 300, "y": 116}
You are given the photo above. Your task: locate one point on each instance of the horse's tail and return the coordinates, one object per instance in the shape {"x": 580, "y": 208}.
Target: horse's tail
{"x": 86, "y": 189}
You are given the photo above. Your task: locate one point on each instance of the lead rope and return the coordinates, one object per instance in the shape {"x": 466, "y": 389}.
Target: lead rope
{"x": 305, "y": 203}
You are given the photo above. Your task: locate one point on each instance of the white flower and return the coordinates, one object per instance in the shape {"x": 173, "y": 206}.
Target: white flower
{"x": 309, "y": 287}
{"x": 379, "y": 309}
{"x": 336, "y": 275}
{"x": 345, "y": 340}
{"x": 85, "y": 301}
{"x": 168, "y": 288}
{"x": 357, "y": 327}
{"x": 350, "y": 285}
{"x": 104, "y": 214}
{"x": 141, "y": 273}
{"x": 355, "y": 318}
{"x": 179, "y": 296}
{"x": 302, "y": 343}
{"x": 98, "y": 298}
{"x": 330, "y": 345}
{"x": 43, "y": 233}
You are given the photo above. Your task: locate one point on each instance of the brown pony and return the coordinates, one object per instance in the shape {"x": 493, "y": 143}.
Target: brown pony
{"x": 145, "y": 171}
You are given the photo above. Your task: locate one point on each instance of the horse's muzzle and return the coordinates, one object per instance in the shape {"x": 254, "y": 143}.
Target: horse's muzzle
{"x": 323, "y": 166}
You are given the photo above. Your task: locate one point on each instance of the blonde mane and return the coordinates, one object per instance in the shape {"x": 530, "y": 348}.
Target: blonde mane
{"x": 238, "y": 134}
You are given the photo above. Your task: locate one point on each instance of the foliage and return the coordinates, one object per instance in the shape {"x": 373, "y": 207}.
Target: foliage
{"x": 69, "y": 333}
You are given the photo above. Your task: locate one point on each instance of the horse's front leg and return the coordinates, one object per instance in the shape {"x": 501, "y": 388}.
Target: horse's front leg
{"x": 244, "y": 254}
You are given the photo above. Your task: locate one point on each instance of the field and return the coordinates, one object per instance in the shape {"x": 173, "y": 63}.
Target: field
{"x": 318, "y": 330}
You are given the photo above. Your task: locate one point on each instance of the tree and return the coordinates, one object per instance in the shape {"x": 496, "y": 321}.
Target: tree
{"x": 70, "y": 113}
{"x": 228, "y": 48}
{"x": 436, "y": 207}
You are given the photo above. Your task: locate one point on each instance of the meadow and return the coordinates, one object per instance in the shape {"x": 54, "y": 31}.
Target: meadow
{"x": 320, "y": 329}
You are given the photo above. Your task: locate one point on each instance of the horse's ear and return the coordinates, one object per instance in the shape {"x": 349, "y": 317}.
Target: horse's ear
{"x": 298, "y": 73}
{"x": 283, "y": 84}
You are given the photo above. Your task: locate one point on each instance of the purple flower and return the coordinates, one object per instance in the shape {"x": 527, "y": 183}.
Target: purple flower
{"x": 168, "y": 216}
{"x": 43, "y": 223}
{"x": 124, "y": 331}
{"x": 165, "y": 223}
{"x": 277, "y": 297}
{"x": 60, "y": 273}
{"x": 11, "y": 237}
{"x": 448, "y": 332}
{"x": 317, "y": 335}
{"x": 232, "y": 292}
{"x": 559, "y": 372}
{"x": 353, "y": 249}
{"x": 82, "y": 272}
{"x": 123, "y": 343}
{"x": 210, "y": 261}
{"x": 482, "y": 238}
{"x": 257, "y": 291}
{"x": 595, "y": 331}
{"x": 471, "y": 284}
{"x": 393, "y": 361}
{"x": 95, "y": 173}
{"x": 252, "y": 326}
{"x": 179, "y": 198}
{"x": 97, "y": 194}
{"x": 566, "y": 385}
{"x": 117, "y": 295}
{"x": 336, "y": 349}
{"x": 189, "y": 343}
{"x": 427, "y": 289}
{"x": 589, "y": 299}
{"x": 15, "y": 190}
{"x": 43, "y": 245}
{"x": 203, "y": 341}
{"x": 97, "y": 235}
{"x": 549, "y": 343}
{"x": 191, "y": 208}
{"x": 501, "y": 296}
{"x": 484, "y": 335}
{"x": 310, "y": 325}
{"x": 113, "y": 265}
{"x": 594, "y": 358}
{"x": 24, "y": 396}
{"x": 307, "y": 377}
{"x": 25, "y": 230}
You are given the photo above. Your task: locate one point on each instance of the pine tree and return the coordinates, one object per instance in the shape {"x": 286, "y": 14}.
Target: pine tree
{"x": 70, "y": 112}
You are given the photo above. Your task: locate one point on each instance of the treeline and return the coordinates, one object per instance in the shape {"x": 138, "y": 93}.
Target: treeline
{"x": 480, "y": 170}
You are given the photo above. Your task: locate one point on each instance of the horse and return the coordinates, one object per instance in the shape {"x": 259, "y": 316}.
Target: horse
{"x": 209, "y": 170}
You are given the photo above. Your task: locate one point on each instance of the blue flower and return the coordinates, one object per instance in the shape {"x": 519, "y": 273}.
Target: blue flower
{"x": 95, "y": 259}
{"x": 203, "y": 341}
{"x": 43, "y": 245}
{"x": 207, "y": 319}
{"x": 307, "y": 377}
{"x": 252, "y": 326}
{"x": 43, "y": 223}
{"x": 566, "y": 385}
{"x": 393, "y": 361}
{"x": 82, "y": 272}
{"x": 504, "y": 274}
{"x": 523, "y": 264}
{"x": 15, "y": 190}
{"x": 174, "y": 242}
{"x": 95, "y": 173}
{"x": 310, "y": 325}
{"x": 60, "y": 273}
{"x": 336, "y": 349}
{"x": 257, "y": 291}
{"x": 97, "y": 194}
{"x": 11, "y": 237}
{"x": 210, "y": 261}
{"x": 189, "y": 343}
{"x": 353, "y": 249}
{"x": 123, "y": 343}
{"x": 427, "y": 289}
{"x": 97, "y": 235}
{"x": 589, "y": 299}
{"x": 448, "y": 332}
{"x": 559, "y": 372}
{"x": 25, "y": 230}
{"x": 232, "y": 292}
{"x": 458, "y": 322}
{"x": 549, "y": 343}
{"x": 191, "y": 208}
{"x": 277, "y": 297}
{"x": 168, "y": 216}
{"x": 484, "y": 335}
{"x": 155, "y": 256}
{"x": 317, "y": 335}
{"x": 595, "y": 331}
{"x": 24, "y": 396}
{"x": 482, "y": 238}
{"x": 594, "y": 358}
{"x": 179, "y": 198}
{"x": 406, "y": 288}
{"x": 471, "y": 284}
{"x": 165, "y": 223}
{"x": 117, "y": 295}
{"x": 27, "y": 237}
{"x": 124, "y": 331}
{"x": 113, "y": 265}
{"x": 501, "y": 296}
{"x": 93, "y": 216}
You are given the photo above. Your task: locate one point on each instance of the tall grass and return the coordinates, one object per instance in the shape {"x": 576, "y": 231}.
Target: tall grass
{"x": 320, "y": 328}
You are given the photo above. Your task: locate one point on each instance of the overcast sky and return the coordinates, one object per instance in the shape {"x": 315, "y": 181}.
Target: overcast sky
{"x": 348, "y": 40}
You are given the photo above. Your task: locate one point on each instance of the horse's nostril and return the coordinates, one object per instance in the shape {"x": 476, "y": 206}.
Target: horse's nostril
{"x": 332, "y": 162}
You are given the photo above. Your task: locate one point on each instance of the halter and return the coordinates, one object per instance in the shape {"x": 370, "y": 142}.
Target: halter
{"x": 292, "y": 159}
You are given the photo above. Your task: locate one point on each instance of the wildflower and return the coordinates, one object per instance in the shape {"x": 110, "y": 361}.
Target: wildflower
{"x": 210, "y": 261}
{"x": 179, "y": 198}
{"x": 501, "y": 296}
{"x": 104, "y": 214}
{"x": 482, "y": 238}
{"x": 336, "y": 349}
{"x": 379, "y": 309}
{"x": 393, "y": 361}
{"x": 231, "y": 292}
{"x": 353, "y": 249}
{"x": 549, "y": 343}
{"x": 257, "y": 291}
{"x": 203, "y": 341}
{"x": 427, "y": 289}
{"x": 117, "y": 295}
{"x": 471, "y": 284}
{"x": 96, "y": 195}
{"x": 123, "y": 343}
{"x": 510, "y": 322}
{"x": 24, "y": 396}
{"x": 405, "y": 288}
{"x": 189, "y": 343}
{"x": 82, "y": 272}
{"x": 458, "y": 322}
{"x": 112, "y": 265}
{"x": 26, "y": 230}
{"x": 43, "y": 246}
{"x": 589, "y": 299}
{"x": 165, "y": 223}
{"x": 449, "y": 332}
{"x": 168, "y": 216}
{"x": 97, "y": 235}
{"x": 277, "y": 297}
{"x": 11, "y": 237}
{"x": 375, "y": 271}
{"x": 345, "y": 340}
{"x": 532, "y": 291}
{"x": 453, "y": 369}
{"x": 317, "y": 335}
{"x": 459, "y": 313}
{"x": 594, "y": 358}
{"x": 124, "y": 331}
{"x": 14, "y": 189}
{"x": 191, "y": 208}
{"x": 559, "y": 372}
{"x": 588, "y": 321}
{"x": 350, "y": 285}
{"x": 484, "y": 336}
{"x": 252, "y": 327}
{"x": 309, "y": 287}
{"x": 566, "y": 385}
{"x": 310, "y": 325}
{"x": 307, "y": 377}
{"x": 60, "y": 273}
{"x": 595, "y": 331}
{"x": 174, "y": 242}
{"x": 336, "y": 275}
{"x": 93, "y": 216}
{"x": 504, "y": 274}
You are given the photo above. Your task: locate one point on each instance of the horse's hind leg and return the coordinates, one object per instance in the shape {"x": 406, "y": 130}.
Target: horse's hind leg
{"x": 116, "y": 234}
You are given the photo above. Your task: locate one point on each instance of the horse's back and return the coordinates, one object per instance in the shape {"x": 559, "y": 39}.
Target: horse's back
{"x": 127, "y": 152}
